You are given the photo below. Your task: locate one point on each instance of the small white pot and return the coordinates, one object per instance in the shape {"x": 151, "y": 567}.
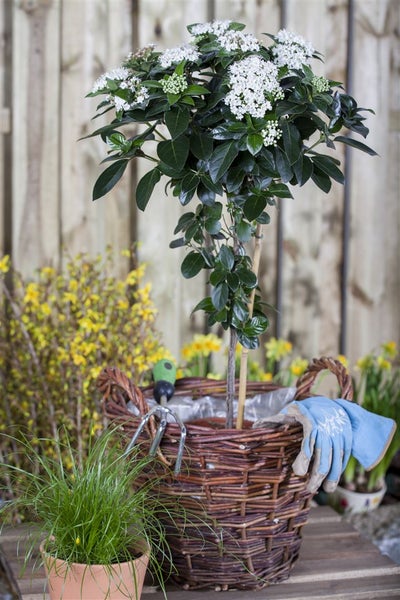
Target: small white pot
{"x": 348, "y": 502}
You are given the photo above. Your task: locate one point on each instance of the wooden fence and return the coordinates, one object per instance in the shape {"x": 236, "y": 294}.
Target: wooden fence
{"x": 331, "y": 264}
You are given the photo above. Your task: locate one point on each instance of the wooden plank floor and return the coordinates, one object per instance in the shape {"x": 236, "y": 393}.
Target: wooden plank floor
{"x": 335, "y": 563}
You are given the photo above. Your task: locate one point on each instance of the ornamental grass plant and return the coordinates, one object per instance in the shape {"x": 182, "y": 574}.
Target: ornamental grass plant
{"x": 234, "y": 123}
{"x": 91, "y": 512}
{"x": 56, "y": 334}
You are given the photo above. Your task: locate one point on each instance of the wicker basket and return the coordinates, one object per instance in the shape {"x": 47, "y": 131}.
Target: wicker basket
{"x": 244, "y": 507}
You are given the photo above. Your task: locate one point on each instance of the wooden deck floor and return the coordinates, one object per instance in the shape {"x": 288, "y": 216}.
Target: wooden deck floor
{"x": 336, "y": 563}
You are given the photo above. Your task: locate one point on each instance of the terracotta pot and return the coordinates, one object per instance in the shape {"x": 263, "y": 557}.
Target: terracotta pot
{"x": 349, "y": 502}
{"x": 91, "y": 582}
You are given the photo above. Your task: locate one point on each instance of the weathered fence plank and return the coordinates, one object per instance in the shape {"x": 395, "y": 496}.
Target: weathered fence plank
{"x": 164, "y": 23}
{"x": 374, "y": 280}
{"x": 96, "y": 36}
{"x": 35, "y": 132}
{"x": 312, "y": 222}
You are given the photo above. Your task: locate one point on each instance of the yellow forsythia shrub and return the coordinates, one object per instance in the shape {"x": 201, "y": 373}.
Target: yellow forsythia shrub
{"x": 56, "y": 334}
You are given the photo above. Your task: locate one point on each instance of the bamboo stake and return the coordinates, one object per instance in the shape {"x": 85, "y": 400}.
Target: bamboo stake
{"x": 245, "y": 351}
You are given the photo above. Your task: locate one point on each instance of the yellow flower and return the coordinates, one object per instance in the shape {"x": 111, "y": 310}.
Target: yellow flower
{"x": 266, "y": 377}
{"x": 31, "y": 294}
{"x": 70, "y": 297}
{"x": 5, "y": 264}
{"x": 278, "y": 348}
{"x": 78, "y": 359}
{"x": 78, "y": 541}
{"x": 343, "y": 360}
{"x": 365, "y": 362}
{"x": 383, "y": 363}
{"x": 389, "y": 349}
{"x": 298, "y": 366}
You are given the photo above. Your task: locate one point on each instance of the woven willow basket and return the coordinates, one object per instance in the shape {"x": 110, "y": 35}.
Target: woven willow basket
{"x": 244, "y": 507}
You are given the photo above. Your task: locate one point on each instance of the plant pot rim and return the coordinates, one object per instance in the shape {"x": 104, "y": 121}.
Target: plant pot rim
{"x": 143, "y": 549}
{"x": 362, "y": 492}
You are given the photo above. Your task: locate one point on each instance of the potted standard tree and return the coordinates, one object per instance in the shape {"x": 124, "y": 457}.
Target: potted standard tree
{"x": 234, "y": 122}
{"x": 231, "y": 122}
{"x": 96, "y": 528}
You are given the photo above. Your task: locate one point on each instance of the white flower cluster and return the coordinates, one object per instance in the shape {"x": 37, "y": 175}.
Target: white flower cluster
{"x": 174, "y": 56}
{"x": 271, "y": 133}
{"x": 237, "y": 40}
{"x": 174, "y": 84}
{"x": 320, "y": 83}
{"x": 215, "y": 27}
{"x": 119, "y": 74}
{"x": 253, "y": 85}
{"x": 291, "y": 50}
{"x": 125, "y": 81}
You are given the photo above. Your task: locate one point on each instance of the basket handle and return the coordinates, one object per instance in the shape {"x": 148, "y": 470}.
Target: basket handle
{"x": 316, "y": 366}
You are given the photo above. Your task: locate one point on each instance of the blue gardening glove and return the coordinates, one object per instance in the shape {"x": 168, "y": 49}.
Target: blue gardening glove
{"x": 332, "y": 430}
{"x": 327, "y": 434}
{"x": 372, "y": 434}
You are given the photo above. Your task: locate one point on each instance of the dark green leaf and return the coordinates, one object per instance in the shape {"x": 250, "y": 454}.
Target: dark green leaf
{"x": 291, "y": 141}
{"x": 145, "y": 187}
{"x": 205, "y": 304}
{"x": 321, "y": 180}
{"x": 234, "y": 180}
{"x": 264, "y": 219}
{"x": 250, "y": 342}
{"x": 254, "y": 206}
{"x": 240, "y": 311}
{"x": 174, "y": 152}
{"x": 280, "y": 190}
{"x": 184, "y": 221}
{"x": 178, "y": 243}
{"x": 192, "y": 265}
{"x": 227, "y": 257}
{"x": 244, "y": 231}
{"x": 355, "y": 144}
{"x": 247, "y": 278}
{"x": 303, "y": 169}
{"x": 220, "y": 295}
{"x": 325, "y": 164}
{"x": 283, "y": 165}
{"x": 254, "y": 143}
{"x": 188, "y": 187}
{"x": 221, "y": 159}
{"x": 212, "y": 226}
{"x": 177, "y": 121}
{"x": 201, "y": 146}
{"x": 256, "y": 326}
{"x": 109, "y": 178}
{"x": 217, "y": 276}
{"x": 233, "y": 281}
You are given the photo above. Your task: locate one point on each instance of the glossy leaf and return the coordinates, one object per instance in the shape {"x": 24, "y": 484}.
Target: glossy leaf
{"x": 109, "y": 178}
{"x": 174, "y": 152}
{"x": 192, "y": 265}
{"x": 327, "y": 165}
{"x": 227, "y": 257}
{"x": 291, "y": 141}
{"x": 146, "y": 186}
{"x": 244, "y": 231}
{"x": 254, "y": 206}
{"x": 254, "y": 143}
{"x": 220, "y": 295}
{"x": 201, "y": 146}
{"x": 221, "y": 159}
{"x": 355, "y": 144}
{"x": 177, "y": 121}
